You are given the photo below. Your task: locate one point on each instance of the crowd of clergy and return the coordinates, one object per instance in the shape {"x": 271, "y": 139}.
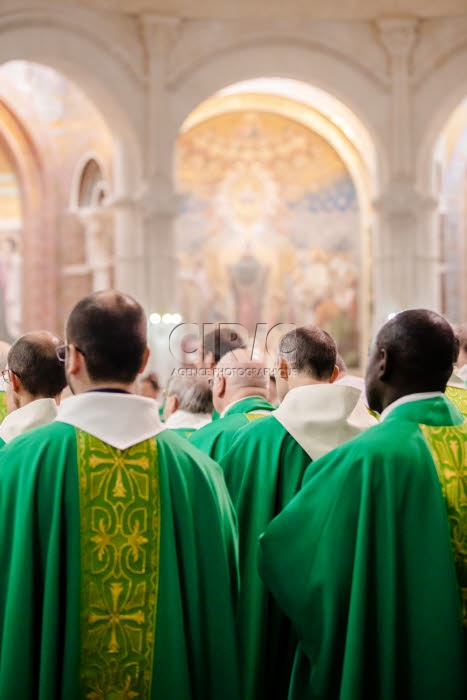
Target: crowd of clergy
{"x": 252, "y": 531}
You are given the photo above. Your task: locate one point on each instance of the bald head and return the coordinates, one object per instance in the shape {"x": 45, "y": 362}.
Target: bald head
{"x": 413, "y": 352}
{"x": 109, "y": 329}
{"x": 34, "y": 361}
{"x": 238, "y": 377}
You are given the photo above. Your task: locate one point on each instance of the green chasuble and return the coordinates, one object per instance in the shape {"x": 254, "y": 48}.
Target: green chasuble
{"x": 263, "y": 471}
{"x": 215, "y": 439}
{"x": 361, "y": 561}
{"x": 184, "y": 432}
{"x": 118, "y": 573}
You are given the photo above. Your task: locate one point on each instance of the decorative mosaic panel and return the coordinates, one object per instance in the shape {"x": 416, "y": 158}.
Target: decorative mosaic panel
{"x": 268, "y": 228}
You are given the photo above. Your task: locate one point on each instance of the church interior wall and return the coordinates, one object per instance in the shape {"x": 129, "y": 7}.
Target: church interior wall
{"x": 146, "y": 74}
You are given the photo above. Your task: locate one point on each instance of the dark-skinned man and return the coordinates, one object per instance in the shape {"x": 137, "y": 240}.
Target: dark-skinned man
{"x": 364, "y": 559}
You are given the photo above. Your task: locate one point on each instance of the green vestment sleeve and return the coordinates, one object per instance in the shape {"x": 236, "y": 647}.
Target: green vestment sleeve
{"x": 41, "y": 624}
{"x": 263, "y": 471}
{"x": 361, "y": 562}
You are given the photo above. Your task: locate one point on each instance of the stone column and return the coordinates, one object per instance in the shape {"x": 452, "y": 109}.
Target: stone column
{"x": 129, "y": 254}
{"x": 405, "y": 244}
{"x": 158, "y": 199}
{"x": 99, "y": 241}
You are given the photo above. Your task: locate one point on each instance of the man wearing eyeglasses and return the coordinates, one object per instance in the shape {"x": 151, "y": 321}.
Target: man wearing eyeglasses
{"x": 34, "y": 380}
{"x": 119, "y": 569}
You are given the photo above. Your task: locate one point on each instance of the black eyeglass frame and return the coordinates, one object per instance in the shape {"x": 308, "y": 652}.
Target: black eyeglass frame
{"x": 63, "y": 348}
{"x": 6, "y": 374}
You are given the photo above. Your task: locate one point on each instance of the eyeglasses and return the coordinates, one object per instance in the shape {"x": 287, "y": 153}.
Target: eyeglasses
{"x": 61, "y": 351}
{"x": 6, "y": 375}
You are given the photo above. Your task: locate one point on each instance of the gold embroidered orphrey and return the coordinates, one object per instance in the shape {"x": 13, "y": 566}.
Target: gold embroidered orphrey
{"x": 458, "y": 396}
{"x": 120, "y": 542}
{"x": 448, "y": 447}
{"x": 253, "y": 416}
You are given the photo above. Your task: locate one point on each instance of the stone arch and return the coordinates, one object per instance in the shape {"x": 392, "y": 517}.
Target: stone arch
{"x": 90, "y": 182}
{"x": 313, "y": 65}
{"x": 361, "y": 166}
{"x": 74, "y": 51}
{"x": 431, "y": 113}
{"x": 36, "y": 187}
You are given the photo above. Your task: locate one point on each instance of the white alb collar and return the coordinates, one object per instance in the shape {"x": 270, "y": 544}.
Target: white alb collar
{"x": 185, "y": 419}
{"x": 32, "y": 415}
{"x": 408, "y": 399}
{"x": 458, "y": 377}
{"x": 320, "y": 417}
{"x": 120, "y": 420}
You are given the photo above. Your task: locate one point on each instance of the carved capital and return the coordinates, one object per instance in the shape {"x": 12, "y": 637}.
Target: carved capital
{"x": 398, "y": 36}
{"x": 160, "y": 34}
{"x": 402, "y": 200}
{"x": 157, "y": 197}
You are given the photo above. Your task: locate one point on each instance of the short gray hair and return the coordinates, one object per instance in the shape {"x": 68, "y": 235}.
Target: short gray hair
{"x": 194, "y": 395}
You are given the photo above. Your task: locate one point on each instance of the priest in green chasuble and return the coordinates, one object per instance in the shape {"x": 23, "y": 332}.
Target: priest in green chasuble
{"x": 263, "y": 470}
{"x": 369, "y": 560}
{"x": 35, "y": 379}
{"x": 119, "y": 572}
{"x": 188, "y": 404}
{"x": 239, "y": 392}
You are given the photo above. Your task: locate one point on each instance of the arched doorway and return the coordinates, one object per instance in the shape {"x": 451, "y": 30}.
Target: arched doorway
{"x": 275, "y": 214}
{"x": 42, "y": 114}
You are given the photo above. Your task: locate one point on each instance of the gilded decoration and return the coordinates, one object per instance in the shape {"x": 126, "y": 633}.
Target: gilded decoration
{"x": 120, "y": 532}
{"x": 268, "y": 229}
{"x": 448, "y": 447}
{"x": 458, "y": 396}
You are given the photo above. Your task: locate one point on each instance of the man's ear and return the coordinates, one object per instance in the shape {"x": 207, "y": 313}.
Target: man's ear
{"x": 334, "y": 375}
{"x": 146, "y": 354}
{"x": 171, "y": 405}
{"x": 283, "y": 368}
{"x": 220, "y": 385}
{"x": 384, "y": 364}
{"x": 74, "y": 360}
{"x": 15, "y": 382}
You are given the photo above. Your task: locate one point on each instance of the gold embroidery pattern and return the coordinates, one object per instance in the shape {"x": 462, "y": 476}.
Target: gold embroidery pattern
{"x": 448, "y": 447}
{"x": 253, "y": 416}
{"x": 458, "y": 397}
{"x": 120, "y": 539}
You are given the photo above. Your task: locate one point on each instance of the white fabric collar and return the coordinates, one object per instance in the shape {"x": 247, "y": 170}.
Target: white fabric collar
{"x": 408, "y": 399}
{"x": 321, "y": 417}
{"x": 458, "y": 377}
{"x": 187, "y": 420}
{"x": 120, "y": 420}
{"x": 351, "y": 380}
{"x": 227, "y": 408}
{"x": 34, "y": 414}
